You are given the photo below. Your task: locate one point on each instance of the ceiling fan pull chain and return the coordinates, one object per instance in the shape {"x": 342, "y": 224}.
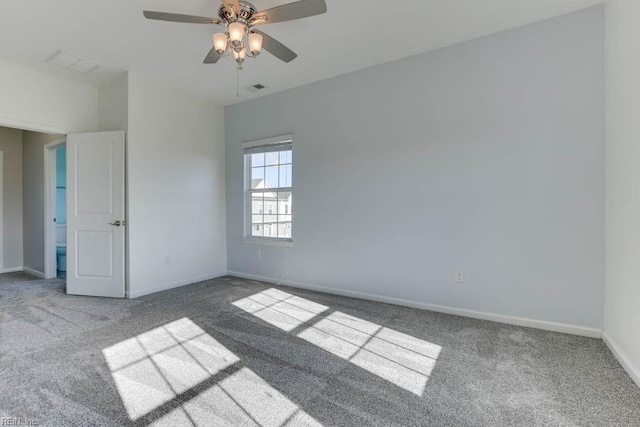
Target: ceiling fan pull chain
{"x": 238, "y": 81}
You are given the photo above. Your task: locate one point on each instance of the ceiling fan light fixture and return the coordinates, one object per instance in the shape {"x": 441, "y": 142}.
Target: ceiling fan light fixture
{"x": 240, "y": 56}
{"x": 240, "y": 18}
{"x": 236, "y": 31}
{"x": 255, "y": 43}
{"x": 220, "y": 43}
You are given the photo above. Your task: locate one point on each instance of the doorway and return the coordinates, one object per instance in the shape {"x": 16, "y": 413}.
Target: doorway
{"x": 55, "y": 213}
{"x": 22, "y": 202}
{"x": 95, "y": 175}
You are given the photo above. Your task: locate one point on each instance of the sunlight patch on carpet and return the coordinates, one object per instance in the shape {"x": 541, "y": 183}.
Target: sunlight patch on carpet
{"x": 156, "y": 371}
{"x": 399, "y": 358}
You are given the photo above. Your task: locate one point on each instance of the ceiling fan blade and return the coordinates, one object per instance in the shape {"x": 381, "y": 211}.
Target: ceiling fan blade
{"x": 176, "y": 17}
{"x": 233, "y": 5}
{"x": 212, "y": 57}
{"x": 291, "y": 11}
{"x": 276, "y": 48}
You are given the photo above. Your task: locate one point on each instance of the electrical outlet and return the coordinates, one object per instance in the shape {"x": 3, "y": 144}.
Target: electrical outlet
{"x": 258, "y": 253}
{"x": 167, "y": 260}
{"x": 459, "y": 276}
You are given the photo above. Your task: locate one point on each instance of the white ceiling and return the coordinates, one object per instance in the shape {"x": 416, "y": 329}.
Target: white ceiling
{"x": 353, "y": 35}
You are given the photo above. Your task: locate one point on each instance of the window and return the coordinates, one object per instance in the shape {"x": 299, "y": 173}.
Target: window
{"x": 269, "y": 189}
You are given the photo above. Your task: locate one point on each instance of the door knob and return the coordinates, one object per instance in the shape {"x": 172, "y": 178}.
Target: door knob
{"x": 117, "y": 223}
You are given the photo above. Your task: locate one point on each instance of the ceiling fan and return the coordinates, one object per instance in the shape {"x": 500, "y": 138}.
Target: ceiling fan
{"x": 240, "y": 19}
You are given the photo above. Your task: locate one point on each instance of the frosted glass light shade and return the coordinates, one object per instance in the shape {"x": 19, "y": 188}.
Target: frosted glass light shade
{"x": 220, "y": 42}
{"x": 255, "y": 42}
{"x": 240, "y": 55}
{"x": 236, "y": 32}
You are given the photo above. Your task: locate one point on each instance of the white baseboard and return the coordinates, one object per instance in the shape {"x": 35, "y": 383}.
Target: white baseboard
{"x": 36, "y": 273}
{"x": 633, "y": 372}
{"x": 511, "y": 320}
{"x": 147, "y": 291}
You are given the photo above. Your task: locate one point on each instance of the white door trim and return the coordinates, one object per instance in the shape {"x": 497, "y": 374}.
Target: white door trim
{"x": 50, "y": 270}
{"x": 1, "y": 211}
{"x": 9, "y": 122}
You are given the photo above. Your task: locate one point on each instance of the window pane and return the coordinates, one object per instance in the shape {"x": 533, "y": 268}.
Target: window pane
{"x": 285, "y": 176}
{"x": 284, "y": 230}
{"x": 270, "y": 219}
{"x": 257, "y": 230}
{"x": 284, "y": 202}
{"x": 285, "y": 157}
{"x": 270, "y": 230}
{"x": 257, "y": 204}
{"x": 257, "y": 159}
{"x": 270, "y": 207}
{"x": 271, "y": 175}
{"x": 271, "y": 158}
{"x": 257, "y": 178}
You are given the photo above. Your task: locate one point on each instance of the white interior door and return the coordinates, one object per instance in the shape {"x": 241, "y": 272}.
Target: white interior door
{"x": 95, "y": 214}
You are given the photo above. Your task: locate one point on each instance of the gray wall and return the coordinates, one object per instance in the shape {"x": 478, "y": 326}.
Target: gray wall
{"x": 176, "y": 186}
{"x": 11, "y": 146}
{"x": 486, "y": 157}
{"x": 113, "y": 105}
{"x": 622, "y": 299}
{"x": 34, "y": 198}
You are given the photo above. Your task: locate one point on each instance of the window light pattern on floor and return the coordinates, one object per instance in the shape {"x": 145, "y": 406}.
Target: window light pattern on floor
{"x": 399, "y": 358}
{"x": 242, "y": 399}
{"x": 157, "y": 368}
{"x": 281, "y": 309}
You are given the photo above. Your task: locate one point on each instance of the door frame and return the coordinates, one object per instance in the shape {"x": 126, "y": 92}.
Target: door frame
{"x": 50, "y": 270}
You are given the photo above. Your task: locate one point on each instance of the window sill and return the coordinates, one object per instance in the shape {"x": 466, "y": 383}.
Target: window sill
{"x": 283, "y": 243}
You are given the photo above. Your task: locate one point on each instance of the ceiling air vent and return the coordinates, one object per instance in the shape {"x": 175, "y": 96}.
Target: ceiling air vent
{"x": 256, "y": 87}
{"x": 72, "y": 62}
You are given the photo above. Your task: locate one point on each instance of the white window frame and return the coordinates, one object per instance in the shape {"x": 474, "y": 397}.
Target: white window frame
{"x": 247, "y": 234}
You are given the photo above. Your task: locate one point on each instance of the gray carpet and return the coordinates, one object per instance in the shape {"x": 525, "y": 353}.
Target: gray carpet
{"x": 237, "y": 352}
{"x": 18, "y": 276}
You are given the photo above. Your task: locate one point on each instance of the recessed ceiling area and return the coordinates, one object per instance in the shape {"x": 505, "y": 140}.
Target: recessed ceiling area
{"x": 353, "y": 35}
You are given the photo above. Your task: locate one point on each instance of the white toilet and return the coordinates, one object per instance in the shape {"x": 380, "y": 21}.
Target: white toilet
{"x": 61, "y": 247}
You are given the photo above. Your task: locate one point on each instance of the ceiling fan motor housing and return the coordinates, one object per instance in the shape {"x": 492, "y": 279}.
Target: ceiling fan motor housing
{"x": 247, "y": 10}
